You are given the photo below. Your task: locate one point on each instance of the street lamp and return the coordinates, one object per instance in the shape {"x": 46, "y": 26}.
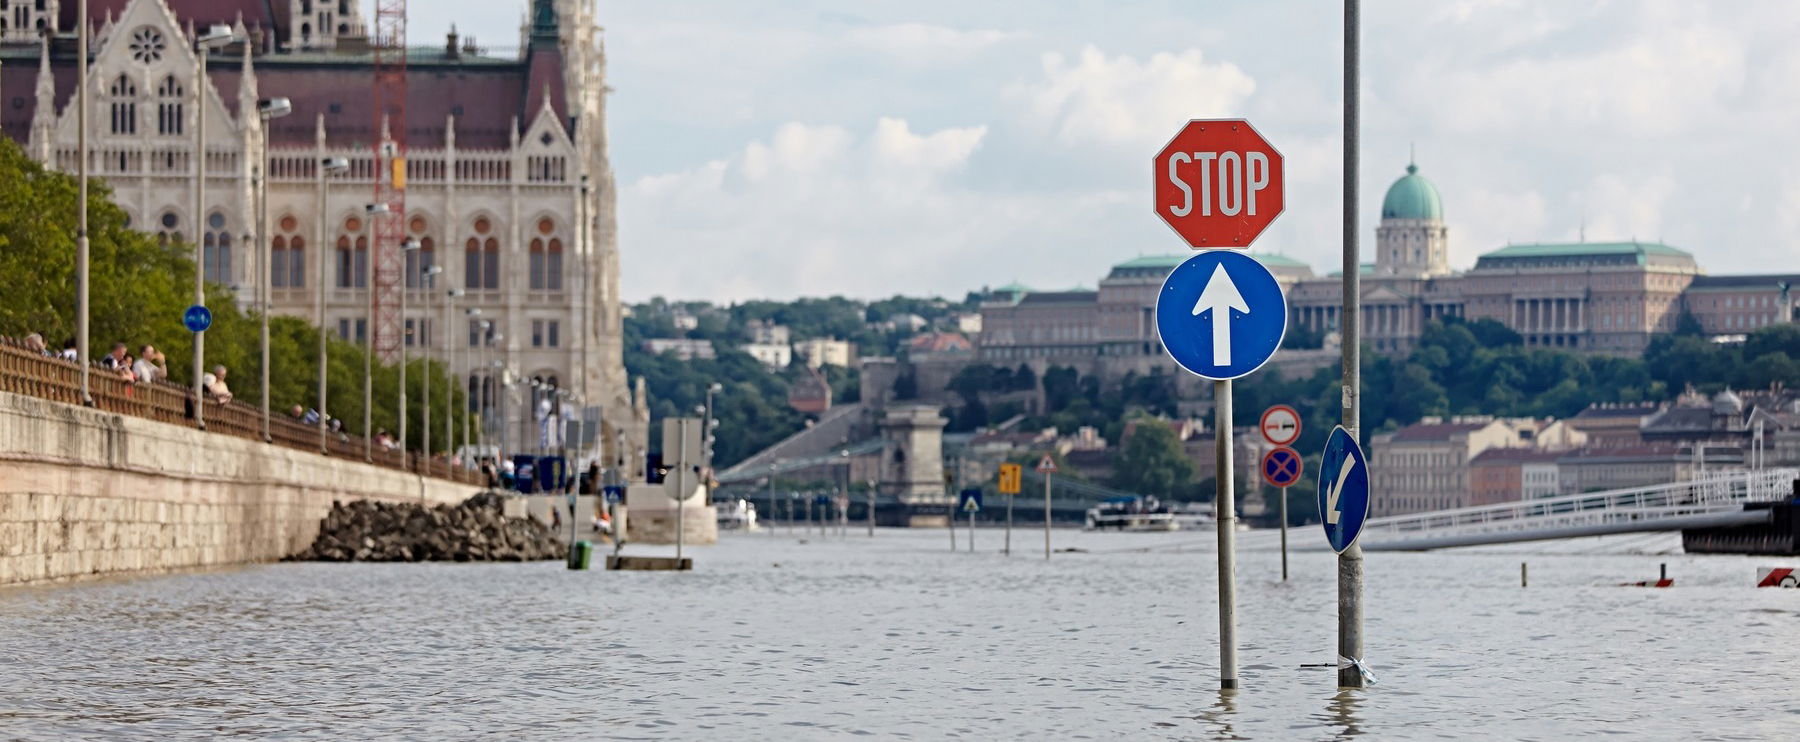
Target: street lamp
{"x": 328, "y": 166}
{"x": 474, "y": 399}
{"x": 407, "y": 246}
{"x": 370, "y": 211}
{"x": 450, "y": 298}
{"x": 267, "y": 110}
{"x": 426, "y": 282}
{"x": 218, "y": 36}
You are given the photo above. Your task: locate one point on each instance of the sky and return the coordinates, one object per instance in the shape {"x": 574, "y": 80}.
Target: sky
{"x": 770, "y": 149}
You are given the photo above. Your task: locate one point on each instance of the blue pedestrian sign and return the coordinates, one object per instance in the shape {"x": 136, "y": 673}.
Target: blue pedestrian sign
{"x": 970, "y": 502}
{"x": 197, "y": 318}
{"x": 613, "y": 492}
{"x": 1343, "y": 489}
{"x": 1221, "y": 314}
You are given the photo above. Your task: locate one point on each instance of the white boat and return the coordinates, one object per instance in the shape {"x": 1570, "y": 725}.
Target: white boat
{"x": 737, "y": 514}
{"x": 1131, "y": 513}
{"x": 1194, "y": 516}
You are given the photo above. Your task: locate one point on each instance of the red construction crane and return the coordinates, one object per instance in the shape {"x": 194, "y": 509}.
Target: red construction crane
{"x": 389, "y": 229}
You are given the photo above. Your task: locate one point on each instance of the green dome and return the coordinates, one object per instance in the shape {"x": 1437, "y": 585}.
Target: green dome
{"x": 1412, "y": 197}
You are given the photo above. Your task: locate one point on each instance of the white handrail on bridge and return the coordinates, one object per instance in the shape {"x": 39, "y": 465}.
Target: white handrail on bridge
{"x": 1719, "y": 492}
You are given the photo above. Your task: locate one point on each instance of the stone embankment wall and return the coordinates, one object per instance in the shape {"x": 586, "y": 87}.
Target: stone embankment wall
{"x": 84, "y": 493}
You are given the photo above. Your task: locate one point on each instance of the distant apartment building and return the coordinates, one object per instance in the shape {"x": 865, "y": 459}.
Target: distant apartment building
{"x": 1614, "y": 424}
{"x": 1605, "y": 297}
{"x": 773, "y": 355}
{"x": 685, "y": 349}
{"x": 1427, "y": 465}
{"x": 767, "y": 333}
{"x": 967, "y": 323}
{"x": 1500, "y": 475}
{"x": 825, "y": 352}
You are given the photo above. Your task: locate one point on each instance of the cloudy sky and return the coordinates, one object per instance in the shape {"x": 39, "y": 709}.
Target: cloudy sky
{"x": 815, "y": 147}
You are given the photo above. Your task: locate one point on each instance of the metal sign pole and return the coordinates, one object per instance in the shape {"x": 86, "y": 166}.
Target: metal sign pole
{"x": 1009, "y": 511}
{"x": 1226, "y": 524}
{"x": 680, "y": 485}
{"x": 971, "y": 529}
{"x": 1284, "y": 524}
{"x": 1047, "y": 476}
{"x": 1350, "y": 566}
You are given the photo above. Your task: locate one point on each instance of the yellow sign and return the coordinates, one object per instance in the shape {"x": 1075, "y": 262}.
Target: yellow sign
{"x": 400, "y": 173}
{"x": 1009, "y": 478}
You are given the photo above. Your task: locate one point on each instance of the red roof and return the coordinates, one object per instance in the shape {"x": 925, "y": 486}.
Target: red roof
{"x": 254, "y": 13}
{"x": 939, "y": 342}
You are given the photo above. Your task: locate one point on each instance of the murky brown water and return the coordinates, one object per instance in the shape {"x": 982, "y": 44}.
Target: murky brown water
{"x": 776, "y": 639}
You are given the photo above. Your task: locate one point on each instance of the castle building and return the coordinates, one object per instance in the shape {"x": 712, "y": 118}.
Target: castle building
{"x": 1602, "y": 297}
{"x": 508, "y": 186}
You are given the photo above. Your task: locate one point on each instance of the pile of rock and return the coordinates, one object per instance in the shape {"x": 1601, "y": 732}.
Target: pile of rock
{"x": 476, "y": 530}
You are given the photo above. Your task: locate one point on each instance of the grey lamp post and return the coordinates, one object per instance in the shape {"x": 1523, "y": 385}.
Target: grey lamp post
{"x": 425, "y": 284}
{"x": 369, "y": 212}
{"x": 450, "y": 298}
{"x": 469, "y": 378}
{"x": 216, "y": 37}
{"x": 407, "y": 247}
{"x": 328, "y": 166}
{"x": 267, "y": 110}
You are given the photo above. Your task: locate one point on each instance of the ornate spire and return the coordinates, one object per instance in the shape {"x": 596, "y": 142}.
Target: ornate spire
{"x": 43, "y": 120}
{"x": 543, "y": 21}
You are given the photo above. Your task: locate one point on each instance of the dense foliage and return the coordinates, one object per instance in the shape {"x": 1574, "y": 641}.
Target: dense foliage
{"x": 138, "y": 293}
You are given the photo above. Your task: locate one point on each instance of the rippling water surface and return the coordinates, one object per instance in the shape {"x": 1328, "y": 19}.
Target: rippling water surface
{"x": 803, "y": 637}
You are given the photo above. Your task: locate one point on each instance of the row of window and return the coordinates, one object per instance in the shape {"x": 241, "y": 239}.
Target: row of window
{"x": 545, "y": 333}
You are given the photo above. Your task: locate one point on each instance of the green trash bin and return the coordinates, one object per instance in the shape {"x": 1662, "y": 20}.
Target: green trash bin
{"x": 581, "y": 555}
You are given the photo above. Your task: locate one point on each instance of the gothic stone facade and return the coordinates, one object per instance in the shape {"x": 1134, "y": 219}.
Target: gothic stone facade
{"x": 508, "y": 188}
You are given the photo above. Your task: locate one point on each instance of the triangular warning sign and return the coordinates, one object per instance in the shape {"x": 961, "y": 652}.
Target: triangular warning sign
{"x": 1046, "y": 465}
{"x": 971, "y": 505}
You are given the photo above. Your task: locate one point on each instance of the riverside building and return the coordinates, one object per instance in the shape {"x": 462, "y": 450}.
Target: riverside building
{"x": 508, "y": 187}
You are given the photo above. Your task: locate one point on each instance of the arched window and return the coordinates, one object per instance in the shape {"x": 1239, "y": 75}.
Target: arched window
{"x": 124, "y": 105}
{"x": 288, "y": 254}
{"x": 169, "y": 232}
{"x": 352, "y": 255}
{"x": 216, "y": 249}
{"x": 418, "y": 261}
{"x": 170, "y": 112}
{"x": 481, "y": 257}
{"x": 546, "y": 258}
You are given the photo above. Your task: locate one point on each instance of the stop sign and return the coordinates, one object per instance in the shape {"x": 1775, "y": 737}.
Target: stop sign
{"x": 1218, "y": 183}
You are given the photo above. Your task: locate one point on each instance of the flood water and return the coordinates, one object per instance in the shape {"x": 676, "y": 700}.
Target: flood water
{"x": 807, "y": 637}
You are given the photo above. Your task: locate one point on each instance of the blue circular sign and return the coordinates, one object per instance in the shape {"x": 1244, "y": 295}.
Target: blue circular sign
{"x": 1221, "y": 314}
{"x": 197, "y": 318}
{"x": 1281, "y": 467}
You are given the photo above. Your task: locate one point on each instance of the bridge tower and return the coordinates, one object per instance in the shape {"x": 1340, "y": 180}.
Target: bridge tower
{"x": 912, "y": 466}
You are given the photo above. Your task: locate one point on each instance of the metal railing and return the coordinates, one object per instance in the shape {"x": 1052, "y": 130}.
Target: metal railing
{"x": 29, "y": 372}
{"x": 1621, "y": 509}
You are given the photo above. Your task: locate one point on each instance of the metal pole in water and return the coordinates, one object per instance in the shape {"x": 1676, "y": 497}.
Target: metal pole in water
{"x": 1009, "y": 508}
{"x": 1350, "y": 567}
{"x": 971, "y": 531}
{"x": 871, "y": 512}
{"x": 1284, "y": 565}
{"x": 1226, "y": 524}
{"x": 1047, "y": 476}
{"x": 1523, "y": 577}
{"x": 680, "y": 485}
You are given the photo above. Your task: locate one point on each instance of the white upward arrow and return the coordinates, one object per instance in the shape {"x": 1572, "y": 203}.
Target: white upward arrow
{"x": 1220, "y": 297}
{"x": 1337, "y": 490}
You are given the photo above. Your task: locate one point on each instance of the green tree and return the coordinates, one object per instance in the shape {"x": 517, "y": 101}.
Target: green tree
{"x": 1152, "y": 462}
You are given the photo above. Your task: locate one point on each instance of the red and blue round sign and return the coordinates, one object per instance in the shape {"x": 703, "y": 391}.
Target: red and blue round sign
{"x": 1281, "y": 467}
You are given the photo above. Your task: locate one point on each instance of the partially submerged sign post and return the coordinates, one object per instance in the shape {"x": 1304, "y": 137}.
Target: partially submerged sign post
{"x": 971, "y": 504}
{"x": 1010, "y": 477}
{"x": 1047, "y": 467}
{"x": 1220, "y": 314}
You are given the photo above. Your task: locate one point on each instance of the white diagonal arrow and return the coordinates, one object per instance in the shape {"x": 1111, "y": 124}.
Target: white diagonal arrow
{"x": 1337, "y": 490}
{"x": 1220, "y": 297}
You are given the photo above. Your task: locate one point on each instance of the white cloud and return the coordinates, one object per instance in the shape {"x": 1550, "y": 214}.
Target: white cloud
{"x": 1621, "y": 207}
{"x": 1121, "y": 101}
{"x": 927, "y": 43}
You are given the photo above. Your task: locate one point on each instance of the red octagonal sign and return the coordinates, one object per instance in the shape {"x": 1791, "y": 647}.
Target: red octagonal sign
{"x": 1218, "y": 183}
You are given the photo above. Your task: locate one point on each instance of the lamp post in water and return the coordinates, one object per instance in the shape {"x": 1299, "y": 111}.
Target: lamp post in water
{"x": 370, "y": 211}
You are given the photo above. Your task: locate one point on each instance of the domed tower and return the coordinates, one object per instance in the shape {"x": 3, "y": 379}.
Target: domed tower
{"x": 1412, "y": 239}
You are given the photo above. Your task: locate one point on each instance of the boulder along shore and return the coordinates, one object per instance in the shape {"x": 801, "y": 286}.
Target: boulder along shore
{"x": 476, "y": 530}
